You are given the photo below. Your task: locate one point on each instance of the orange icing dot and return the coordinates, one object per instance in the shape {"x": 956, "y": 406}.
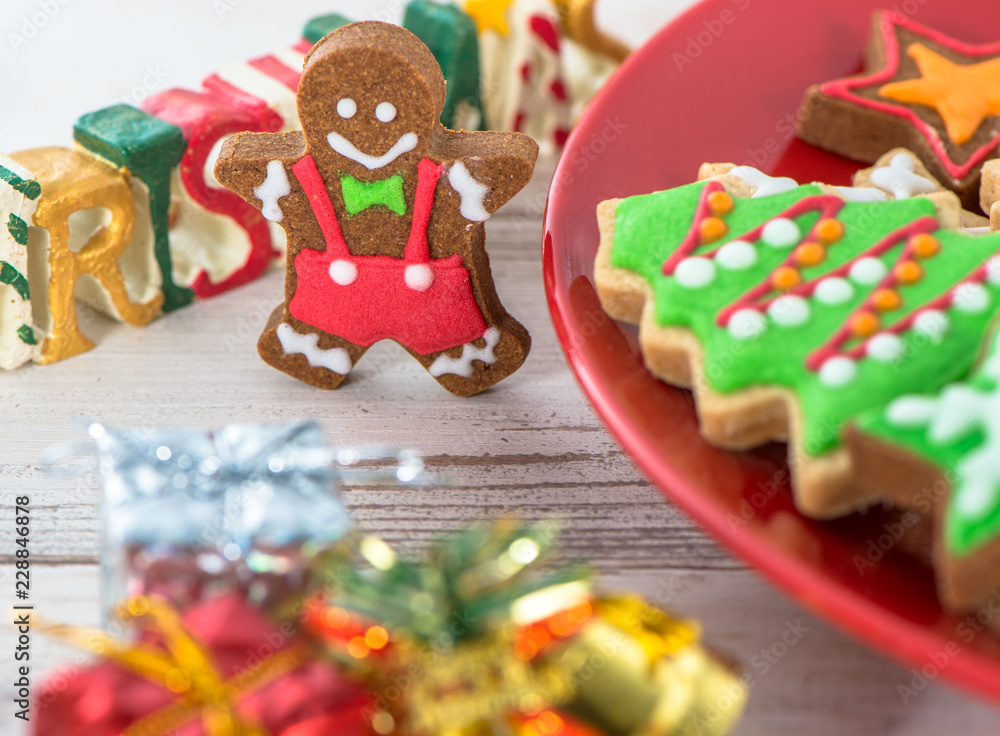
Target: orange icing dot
{"x": 885, "y": 300}
{"x": 829, "y": 230}
{"x": 712, "y": 229}
{"x": 810, "y": 254}
{"x": 720, "y": 203}
{"x": 924, "y": 245}
{"x": 909, "y": 272}
{"x": 786, "y": 277}
{"x": 865, "y": 324}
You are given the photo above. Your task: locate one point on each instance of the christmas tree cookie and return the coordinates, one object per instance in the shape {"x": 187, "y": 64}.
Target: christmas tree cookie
{"x": 791, "y": 310}
{"x": 939, "y": 452}
{"x": 920, "y": 89}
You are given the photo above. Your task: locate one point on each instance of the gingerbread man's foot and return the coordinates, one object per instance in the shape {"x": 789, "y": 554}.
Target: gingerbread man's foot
{"x": 311, "y": 356}
{"x": 468, "y": 369}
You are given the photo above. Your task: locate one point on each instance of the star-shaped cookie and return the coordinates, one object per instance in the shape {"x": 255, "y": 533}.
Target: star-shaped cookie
{"x": 922, "y": 90}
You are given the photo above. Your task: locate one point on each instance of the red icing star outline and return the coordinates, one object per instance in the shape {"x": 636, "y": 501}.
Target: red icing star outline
{"x": 842, "y": 88}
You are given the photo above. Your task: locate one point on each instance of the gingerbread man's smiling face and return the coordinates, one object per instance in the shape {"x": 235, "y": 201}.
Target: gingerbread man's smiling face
{"x": 370, "y": 110}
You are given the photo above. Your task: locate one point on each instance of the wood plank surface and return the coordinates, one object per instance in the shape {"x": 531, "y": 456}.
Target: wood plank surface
{"x": 532, "y": 445}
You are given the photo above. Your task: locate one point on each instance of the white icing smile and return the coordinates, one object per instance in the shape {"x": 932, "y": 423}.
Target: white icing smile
{"x": 406, "y": 143}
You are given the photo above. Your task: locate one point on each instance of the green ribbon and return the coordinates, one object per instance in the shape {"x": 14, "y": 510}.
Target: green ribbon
{"x": 360, "y": 195}
{"x": 472, "y": 579}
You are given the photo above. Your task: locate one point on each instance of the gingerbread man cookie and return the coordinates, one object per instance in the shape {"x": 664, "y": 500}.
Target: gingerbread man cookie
{"x": 384, "y": 211}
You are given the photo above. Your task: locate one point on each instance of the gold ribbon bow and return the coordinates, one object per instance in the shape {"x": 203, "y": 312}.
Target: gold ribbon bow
{"x": 185, "y": 668}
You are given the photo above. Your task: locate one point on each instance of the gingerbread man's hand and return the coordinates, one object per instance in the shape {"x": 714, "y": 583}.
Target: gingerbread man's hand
{"x": 488, "y": 170}
{"x": 254, "y": 165}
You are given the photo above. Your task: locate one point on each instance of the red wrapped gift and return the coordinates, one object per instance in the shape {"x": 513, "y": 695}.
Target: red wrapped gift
{"x": 221, "y": 669}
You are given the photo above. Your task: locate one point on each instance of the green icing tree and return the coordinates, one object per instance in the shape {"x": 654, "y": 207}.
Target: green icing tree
{"x": 956, "y": 429}
{"x": 894, "y": 304}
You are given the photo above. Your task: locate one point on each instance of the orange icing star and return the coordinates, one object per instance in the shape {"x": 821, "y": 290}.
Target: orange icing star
{"x": 964, "y": 95}
{"x": 489, "y": 14}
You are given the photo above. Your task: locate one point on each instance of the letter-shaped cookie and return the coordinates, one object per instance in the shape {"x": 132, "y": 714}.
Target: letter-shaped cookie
{"x": 19, "y": 194}
{"x": 150, "y": 149}
{"x": 217, "y": 240}
{"x": 73, "y": 181}
{"x": 450, "y": 34}
{"x": 384, "y": 212}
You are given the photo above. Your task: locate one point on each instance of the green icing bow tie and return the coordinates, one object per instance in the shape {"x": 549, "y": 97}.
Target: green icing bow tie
{"x": 360, "y": 195}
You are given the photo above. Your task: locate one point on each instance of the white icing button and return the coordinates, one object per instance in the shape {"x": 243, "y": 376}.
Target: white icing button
{"x": 885, "y": 347}
{"x": 833, "y": 291}
{"x": 838, "y": 371}
{"x": 695, "y": 273}
{"x": 747, "y": 324}
{"x": 737, "y": 255}
{"x": 781, "y": 233}
{"x": 971, "y": 298}
{"x": 932, "y": 324}
{"x": 346, "y": 107}
{"x": 789, "y": 311}
{"x": 868, "y": 271}
{"x": 419, "y": 276}
{"x": 993, "y": 270}
{"x": 386, "y": 112}
{"x": 343, "y": 272}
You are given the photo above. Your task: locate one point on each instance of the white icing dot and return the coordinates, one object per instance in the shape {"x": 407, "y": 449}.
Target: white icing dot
{"x": 885, "y": 347}
{"x": 419, "y": 276}
{"x": 833, "y": 291}
{"x": 695, "y": 273}
{"x": 737, "y": 255}
{"x": 932, "y": 324}
{"x": 970, "y": 297}
{"x": 386, "y": 112}
{"x": 868, "y": 271}
{"x": 838, "y": 371}
{"x": 346, "y": 107}
{"x": 993, "y": 270}
{"x": 789, "y": 311}
{"x": 781, "y": 233}
{"x": 343, "y": 272}
{"x": 747, "y": 324}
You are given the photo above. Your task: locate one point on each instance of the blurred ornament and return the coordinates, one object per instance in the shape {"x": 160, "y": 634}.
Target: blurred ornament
{"x": 186, "y": 513}
{"x": 221, "y": 669}
{"x": 479, "y": 639}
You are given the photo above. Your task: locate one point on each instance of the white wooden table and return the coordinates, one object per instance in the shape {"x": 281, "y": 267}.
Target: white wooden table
{"x": 531, "y": 446}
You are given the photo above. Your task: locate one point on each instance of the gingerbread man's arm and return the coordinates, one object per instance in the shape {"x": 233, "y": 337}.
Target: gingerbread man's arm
{"x": 255, "y": 166}
{"x": 488, "y": 168}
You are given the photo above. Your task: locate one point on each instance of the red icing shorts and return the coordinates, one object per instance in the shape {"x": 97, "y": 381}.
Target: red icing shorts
{"x": 424, "y": 303}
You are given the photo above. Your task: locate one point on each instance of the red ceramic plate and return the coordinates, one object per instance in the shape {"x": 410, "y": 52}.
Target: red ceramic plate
{"x": 723, "y": 83}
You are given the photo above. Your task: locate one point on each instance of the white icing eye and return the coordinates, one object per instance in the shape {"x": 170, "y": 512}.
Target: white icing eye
{"x": 346, "y": 108}
{"x": 386, "y": 112}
